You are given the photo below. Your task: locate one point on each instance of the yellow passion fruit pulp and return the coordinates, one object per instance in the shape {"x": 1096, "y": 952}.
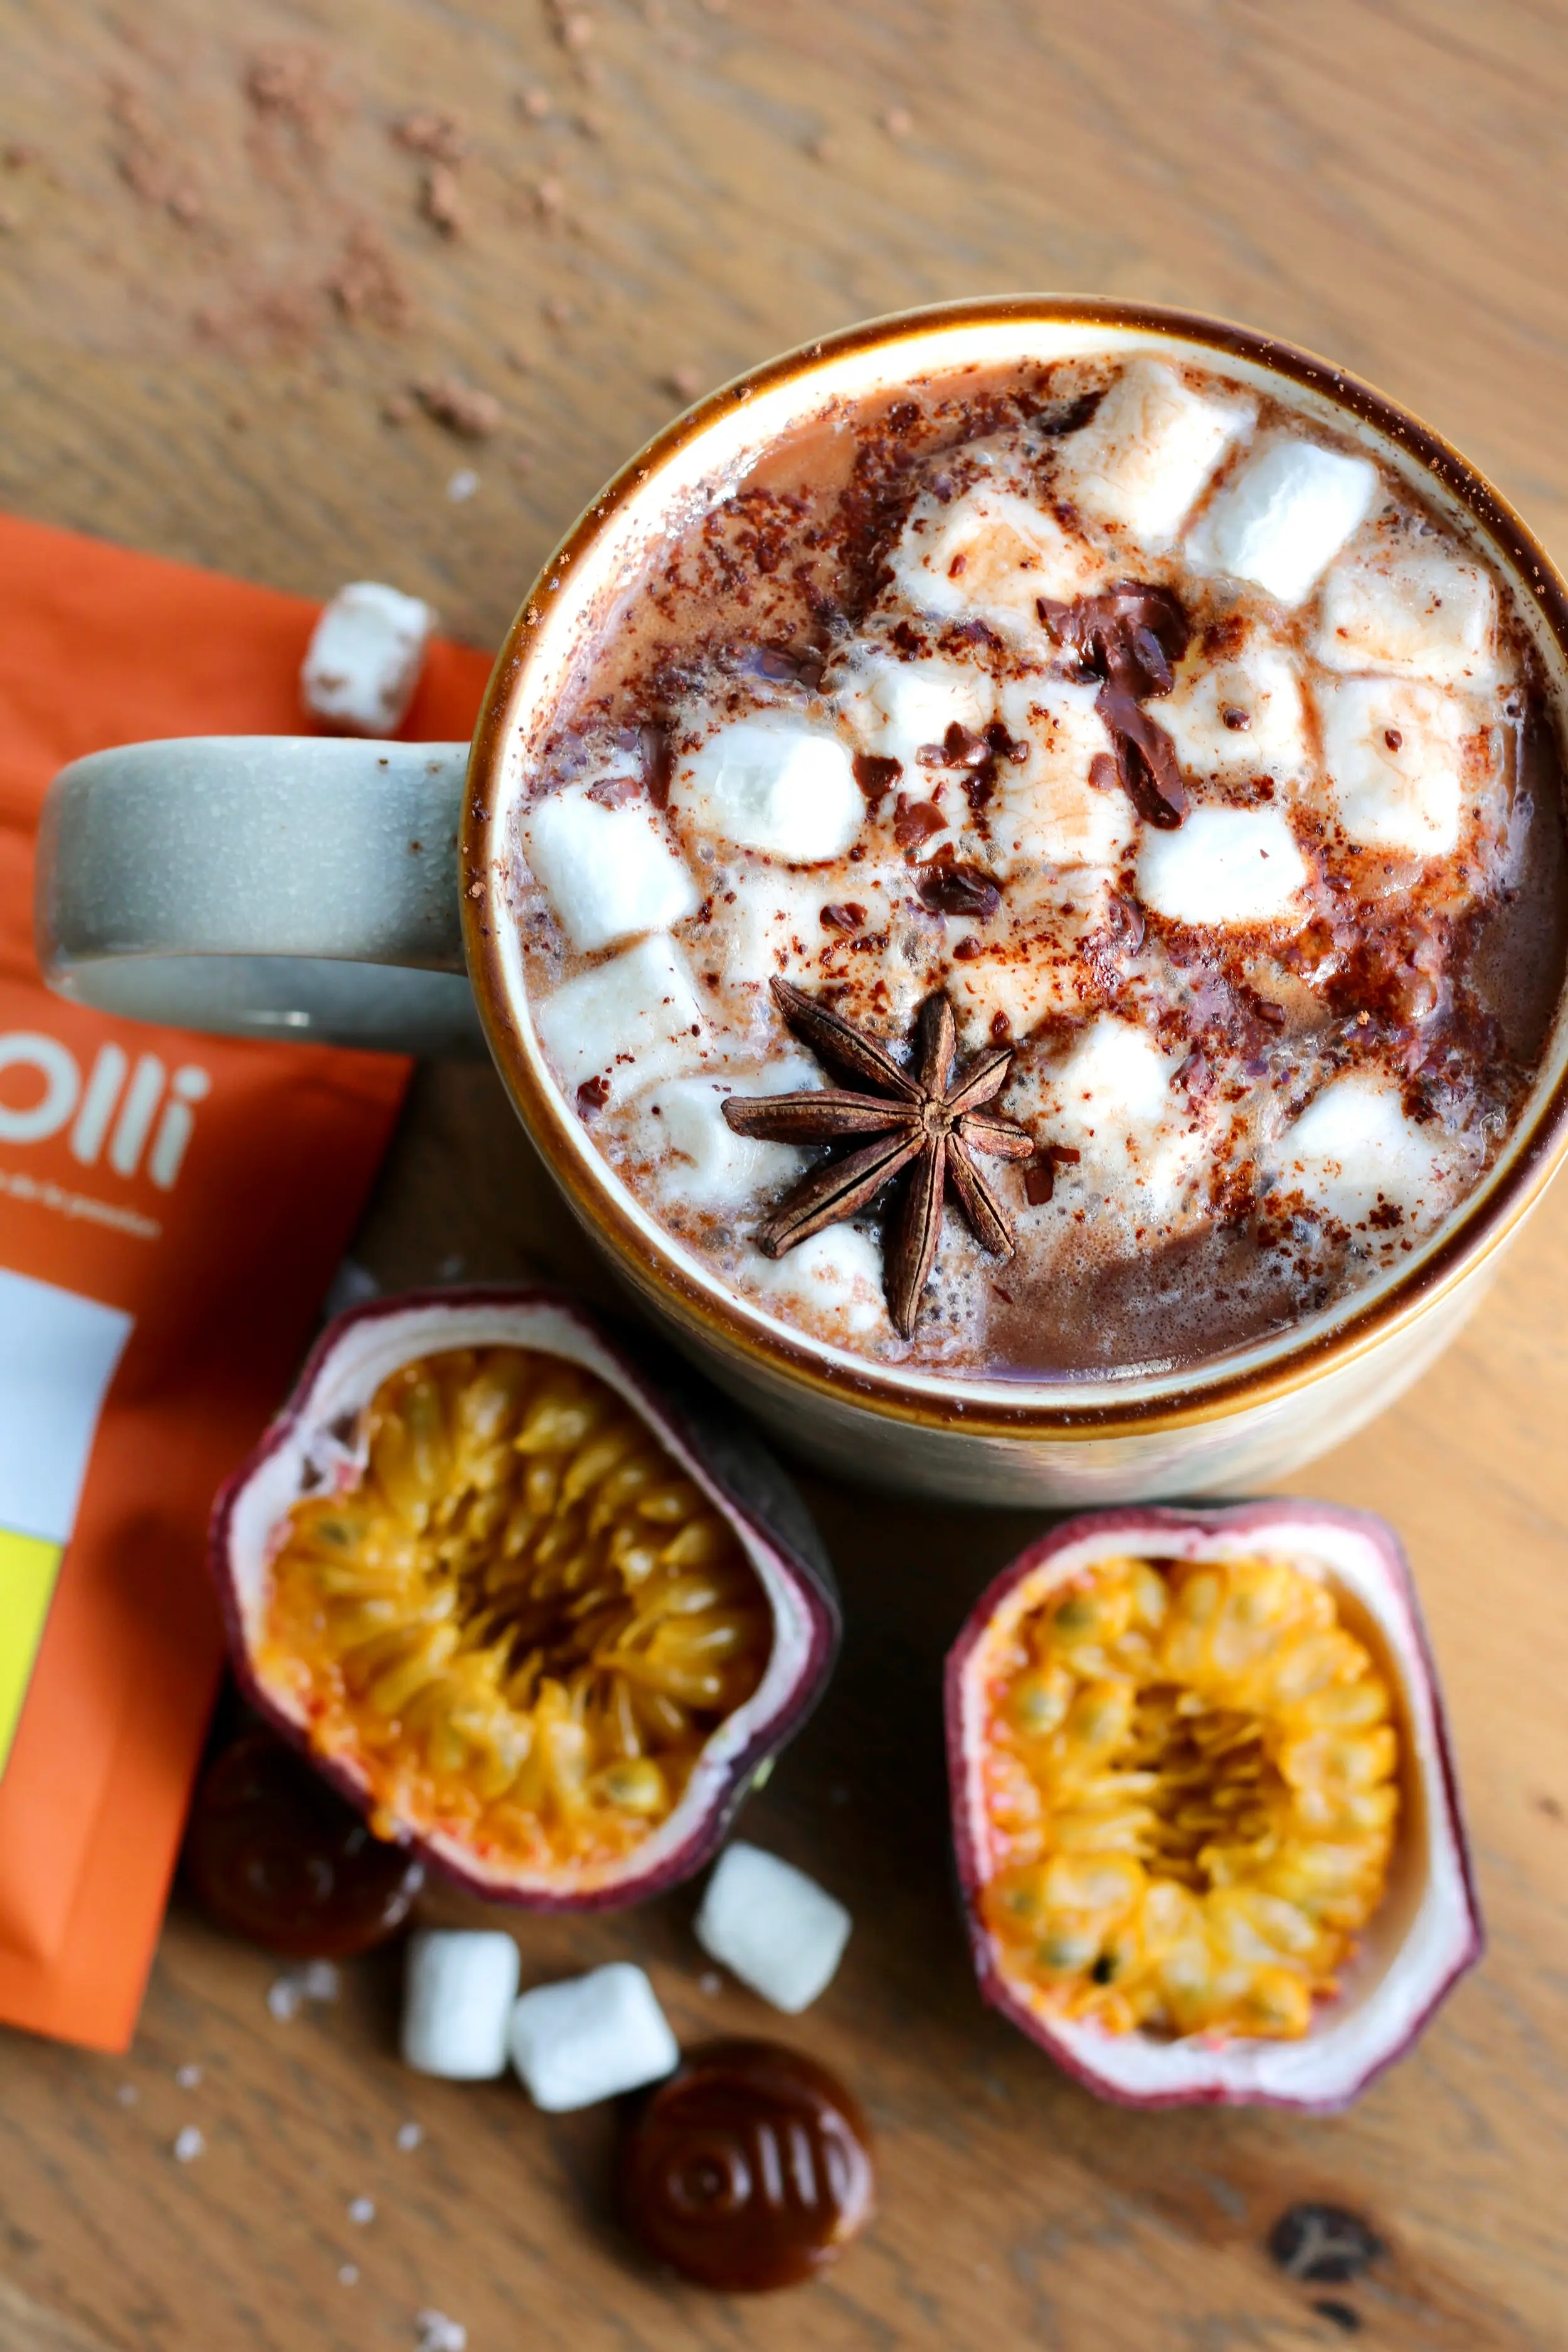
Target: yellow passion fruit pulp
{"x": 523, "y": 1622}
{"x": 1190, "y": 1798}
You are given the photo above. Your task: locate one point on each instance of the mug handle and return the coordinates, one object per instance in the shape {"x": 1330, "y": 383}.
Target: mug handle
{"x": 262, "y": 886}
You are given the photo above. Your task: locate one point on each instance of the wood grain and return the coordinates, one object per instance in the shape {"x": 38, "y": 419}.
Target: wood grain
{"x": 1380, "y": 179}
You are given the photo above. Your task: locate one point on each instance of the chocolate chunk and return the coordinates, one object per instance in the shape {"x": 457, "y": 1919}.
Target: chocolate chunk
{"x": 849, "y": 918}
{"x": 876, "y": 775}
{"x": 958, "y": 890}
{"x": 1040, "y": 1182}
{"x": 276, "y": 1856}
{"x": 591, "y": 1097}
{"x": 916, "y": 821}
{"x": 750, "y": 2168}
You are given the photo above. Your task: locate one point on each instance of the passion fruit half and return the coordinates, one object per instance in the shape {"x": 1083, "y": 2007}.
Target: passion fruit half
{"x": 538, "y": 1613}
{"x": 1206, "y": 1818}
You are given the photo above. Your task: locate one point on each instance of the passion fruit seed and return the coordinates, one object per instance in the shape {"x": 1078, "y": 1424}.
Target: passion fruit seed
{"x": 524, "y": 1623}
{"x": 1191, "y": 1796}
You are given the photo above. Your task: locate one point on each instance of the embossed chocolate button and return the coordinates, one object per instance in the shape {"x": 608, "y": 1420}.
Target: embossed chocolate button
{"x": 276, "y": 1856}
{"x": 749, "y": 2168}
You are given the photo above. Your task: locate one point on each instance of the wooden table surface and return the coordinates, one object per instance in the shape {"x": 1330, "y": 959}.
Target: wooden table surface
{"x": 220, "y": 276}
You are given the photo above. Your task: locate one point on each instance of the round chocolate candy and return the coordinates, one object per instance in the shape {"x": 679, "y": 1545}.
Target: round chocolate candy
{"x": 749, "y": 2168}
{"x": 276, "y": 1855}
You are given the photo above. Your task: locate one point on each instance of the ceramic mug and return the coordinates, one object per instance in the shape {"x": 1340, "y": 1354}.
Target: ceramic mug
{"x": 352, "y": 891}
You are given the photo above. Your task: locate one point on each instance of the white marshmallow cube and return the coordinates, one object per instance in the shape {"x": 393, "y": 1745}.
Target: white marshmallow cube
{"x": 590, "y": 2038}
{"x": 1114, "y": 1100}
{"x": 1414, "y": 610}
{"x": 1353, "y": 1147}
{"x": 631, "y": 1021}
{"x": 607, "y": 870}
{"x": 1046, "y": 811}
{"x": 835, "y": 1278}
{"x": 458, "y": 1987}
{"x": 989, "y": 556}
{"x": 774, "y": 783}
{"x": 364, "y": 657}
{"x": 1284, "y": 516}
{"x": 896, "y": 707}
{"x": 703, "y": 1162}
{"x": 1393, "y": 751}
{"x": 1223, "y": 867}
{"x": 1145, "y": 454}
{"x": 1244, "y": 716}
{"x": 767, "y": 923}
{"x": 772, "y": 1927}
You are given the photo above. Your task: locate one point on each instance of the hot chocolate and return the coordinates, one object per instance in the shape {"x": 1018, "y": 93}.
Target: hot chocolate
{"x": 1169, "y": 739}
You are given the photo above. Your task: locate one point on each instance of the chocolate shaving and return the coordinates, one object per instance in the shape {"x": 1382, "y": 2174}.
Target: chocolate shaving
{"x": 1132, "y": 638}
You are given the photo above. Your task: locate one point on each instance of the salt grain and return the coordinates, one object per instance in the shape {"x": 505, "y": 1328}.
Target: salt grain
{"x": 318, "y": 1980}
{"x": 535, "y": 104}
{"x": 348, "y": 2274}
{"x": 462, "y": 485}
{"x": 898, "y": 122}
{"x": 188, "y": 2146}
{"x": 410, "y": 2135}
{"x": 187, "y": 2077}
{"x": 710, "y": 1982}
{"x": 434, "y": 2332}
{"x": 362, "y": 2211}
{"x": 128, "y": 2094}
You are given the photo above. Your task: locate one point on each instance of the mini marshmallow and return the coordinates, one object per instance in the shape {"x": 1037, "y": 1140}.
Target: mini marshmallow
{"x": 1239, "y": 717}
{"x": 1284, "y": 516}
{"x": 767, "y": 923}
{"x": 988, "y": 556}
{"x": 701, "y": 1162}
{"x": 1115, "y": 1078}
{"x": 631, "y": 1021}
{"x": 590, "y": 2038}
{"x": 607, "y": 870}
{"x": 898, "y": 708}
{"x": 1145, "y": 454}
{"x": 458, "y": 1987}
{"x": 1413, "y": 609}
{"x": 773, "y": 782}
{"x": 1112, "y": 1099}
{"x": 1223, "y": 866}
{"x": 1046, "y": 812}
{"x": 1394, "y": 752}
{"x": 772, "y": 1927}
{"x": 364, "y": 657}
{"x": 1353, "y": 1147}
{"x": 836, "y": 1276}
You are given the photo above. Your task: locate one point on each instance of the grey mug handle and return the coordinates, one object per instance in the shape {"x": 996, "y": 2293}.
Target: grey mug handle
{"x": 262, "y": 886}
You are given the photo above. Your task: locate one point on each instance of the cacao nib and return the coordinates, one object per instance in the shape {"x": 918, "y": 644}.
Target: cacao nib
{"x": 847, "y": 918}
{"x": 1323, "y": 2243}
{"x": 1040, "y": 1182}
{"x": 591, "y": 1097}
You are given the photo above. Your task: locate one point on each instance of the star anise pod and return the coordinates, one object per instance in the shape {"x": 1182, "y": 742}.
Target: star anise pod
{"x": 926, "y": 1126}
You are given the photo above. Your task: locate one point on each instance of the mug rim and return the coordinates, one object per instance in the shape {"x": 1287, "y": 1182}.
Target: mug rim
{"x": 723, "y": 1318}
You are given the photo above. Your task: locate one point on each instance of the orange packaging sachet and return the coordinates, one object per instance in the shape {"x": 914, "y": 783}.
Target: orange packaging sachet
{"x": 172, "y": 1209}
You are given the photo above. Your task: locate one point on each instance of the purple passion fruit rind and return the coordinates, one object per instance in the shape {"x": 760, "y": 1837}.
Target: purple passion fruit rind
{"x": 1425, "y": 1931}
{"x": 712, "y": 1476}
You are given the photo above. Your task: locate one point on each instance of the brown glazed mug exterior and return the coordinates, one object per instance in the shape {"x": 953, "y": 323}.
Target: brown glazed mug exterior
{"x": 1251, "y": 1415}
